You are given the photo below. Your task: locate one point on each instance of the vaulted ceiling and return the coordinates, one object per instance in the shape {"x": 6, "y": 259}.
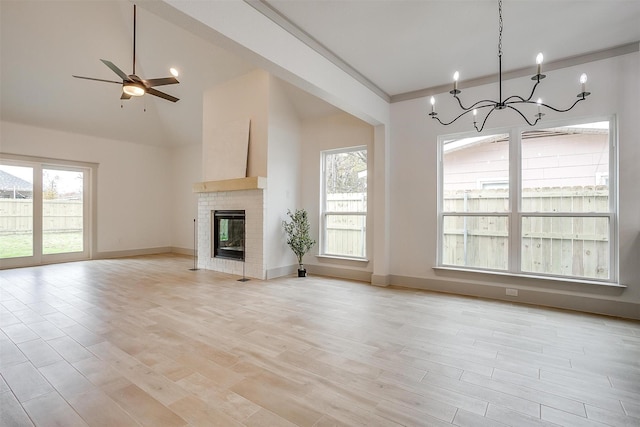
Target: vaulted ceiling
{"x": 393, "y": 46}
{"x": 45, "y": 43}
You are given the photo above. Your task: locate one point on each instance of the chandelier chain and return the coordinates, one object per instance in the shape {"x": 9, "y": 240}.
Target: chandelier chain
{"x": 500, "y": 28}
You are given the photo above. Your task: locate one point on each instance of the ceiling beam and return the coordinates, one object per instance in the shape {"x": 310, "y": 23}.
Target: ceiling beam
{"x": 522, "y": 72}
{"x": 277, "y": 17}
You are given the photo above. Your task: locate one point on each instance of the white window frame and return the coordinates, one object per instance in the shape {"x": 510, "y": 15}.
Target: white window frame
{"x": 323, "y": 206}
{"x": 515, "y": 214}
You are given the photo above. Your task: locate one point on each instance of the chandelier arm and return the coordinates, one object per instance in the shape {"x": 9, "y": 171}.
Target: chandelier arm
{"x": 520, "y": 100}
{"x": 485, "y": 120}
{"x": 447, "y": 124}
{"x": 523, "y": 116}
{"x": 528, "y": 100}
{"x": 490, "y": 103}
{"x": 559, "y": 110}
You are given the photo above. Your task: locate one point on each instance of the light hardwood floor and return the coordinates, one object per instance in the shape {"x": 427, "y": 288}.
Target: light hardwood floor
{"x": 145, "y": 341}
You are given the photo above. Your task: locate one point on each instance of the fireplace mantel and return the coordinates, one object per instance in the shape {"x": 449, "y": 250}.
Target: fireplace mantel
{"x": 250, "y": 183}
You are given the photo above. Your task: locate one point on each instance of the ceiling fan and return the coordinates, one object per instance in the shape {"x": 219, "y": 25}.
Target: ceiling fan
{"x": 132, "y": 85}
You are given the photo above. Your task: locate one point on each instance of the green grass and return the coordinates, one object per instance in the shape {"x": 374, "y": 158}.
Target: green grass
{"x": 20, "y": 245}
{"x": 16, "y": 245}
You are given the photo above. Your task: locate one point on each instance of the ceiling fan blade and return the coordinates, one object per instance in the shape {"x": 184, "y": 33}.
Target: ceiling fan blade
{"x": 98, "y": 80}
{"x": 125, "y": 96}
{"x": 152, "y": 91}
{"x": 115, "y": 69}
{"x": 161, "y": 82}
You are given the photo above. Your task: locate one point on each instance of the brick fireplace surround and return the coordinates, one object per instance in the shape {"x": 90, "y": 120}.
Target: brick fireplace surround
{"x": 246, "y": 194}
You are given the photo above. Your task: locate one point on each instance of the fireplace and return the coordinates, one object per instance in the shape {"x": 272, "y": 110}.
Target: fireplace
{"x": 228, "y": 236}
{"x": 238, "y": 196}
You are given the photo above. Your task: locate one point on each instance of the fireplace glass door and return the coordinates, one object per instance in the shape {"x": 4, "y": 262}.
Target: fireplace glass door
{"x": 228, "y": 234}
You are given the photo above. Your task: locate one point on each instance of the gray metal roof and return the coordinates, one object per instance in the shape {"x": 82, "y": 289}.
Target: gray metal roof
{"x": 11, "y": 182}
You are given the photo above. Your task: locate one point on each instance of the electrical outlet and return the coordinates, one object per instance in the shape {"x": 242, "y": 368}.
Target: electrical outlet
{"x": 512, "y": 292}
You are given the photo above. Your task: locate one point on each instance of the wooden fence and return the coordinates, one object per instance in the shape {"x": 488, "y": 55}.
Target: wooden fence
{"x": 562, "y": 245}
{"x": 346, "y": 234}
{"x": 574, "y": 246}
{"x": 16, "y": 216}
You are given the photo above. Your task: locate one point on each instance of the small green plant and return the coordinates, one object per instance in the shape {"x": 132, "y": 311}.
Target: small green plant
{"x": 298, "y": 237}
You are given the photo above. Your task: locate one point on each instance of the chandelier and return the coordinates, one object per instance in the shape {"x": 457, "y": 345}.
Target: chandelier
{"x": 511, "y": 102}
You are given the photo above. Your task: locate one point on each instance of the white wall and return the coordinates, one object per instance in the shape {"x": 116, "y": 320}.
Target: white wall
{"x": 283, "y": 183}
{"x": 240, "y": 98}
{"x": 274, "y": 150}
{"x": 616, "y": 88}
{"x": 186, "y": 169}
{"x": 326, "y": 133}
{"x": 261, "y": 41}
{"x": 134, "y": 203}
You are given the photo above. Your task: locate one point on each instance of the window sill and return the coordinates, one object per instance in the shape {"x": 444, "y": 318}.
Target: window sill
{"x": 343, "y": 258}
{"x": 549, "y": 279}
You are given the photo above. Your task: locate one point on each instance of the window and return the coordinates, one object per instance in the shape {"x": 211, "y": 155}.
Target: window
{"x": 476, "y": 226}
{"x": 344, "y": 203}
{"x": 535, "y": 202}
{"x": 16, "y": 210}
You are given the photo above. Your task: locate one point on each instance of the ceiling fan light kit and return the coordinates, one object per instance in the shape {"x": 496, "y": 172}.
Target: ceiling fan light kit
{"x": 132, "y": 85}
{"x": 133, "y": 89}
{"x": 511, "y": 102}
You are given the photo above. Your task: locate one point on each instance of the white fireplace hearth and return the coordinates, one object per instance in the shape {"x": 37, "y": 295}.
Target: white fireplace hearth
{"x": 247, "y": 194}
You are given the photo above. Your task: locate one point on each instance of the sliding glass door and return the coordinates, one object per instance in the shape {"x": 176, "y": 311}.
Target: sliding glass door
{"x": 16, "y": 211}
{"x": 63, "y": 213}
{"x": 44, "y": 213}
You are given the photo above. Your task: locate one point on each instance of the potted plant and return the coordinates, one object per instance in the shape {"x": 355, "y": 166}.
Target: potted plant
{"x": 298, "y": 237}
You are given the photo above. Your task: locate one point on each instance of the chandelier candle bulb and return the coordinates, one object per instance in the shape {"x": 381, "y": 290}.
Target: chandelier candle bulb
{"x": 539, "y": 102}
{"x": 583, "y": 82}
{"x": 539, "y": 60}
{"x": 475, "y": 114}
{"x": 456, "y": 76}
{"x": 433, "y": 104}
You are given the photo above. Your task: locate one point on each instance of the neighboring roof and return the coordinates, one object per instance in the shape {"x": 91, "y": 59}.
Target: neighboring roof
{"x": 600, "y": 128}
{"x": 11, "y": 182}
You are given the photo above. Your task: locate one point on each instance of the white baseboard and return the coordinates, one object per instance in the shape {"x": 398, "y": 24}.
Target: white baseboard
{"x": 379, "y": 280}
{"x": 287, "y": 270}
{"x": 181, "y": 251}
{"x": 586, "y": 303}
{"x": 341, "y": 273}
{"x": 132, "y": 252}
